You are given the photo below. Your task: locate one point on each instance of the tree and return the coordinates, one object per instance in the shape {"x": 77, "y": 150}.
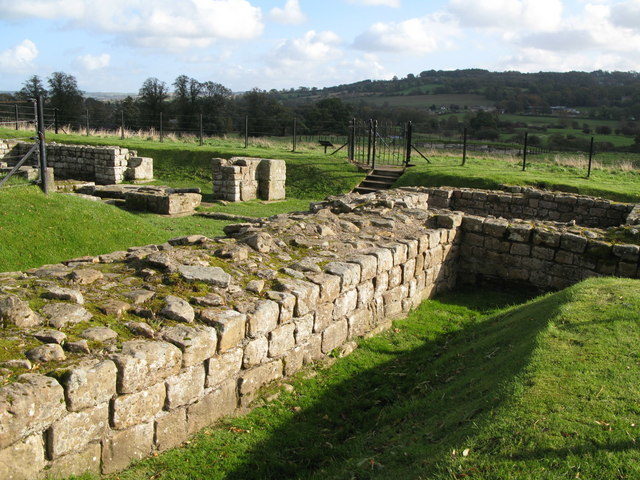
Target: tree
{"x": 65, "y": 96}
{"x": 32, "y": 88}
{"x": 151, "y": 97}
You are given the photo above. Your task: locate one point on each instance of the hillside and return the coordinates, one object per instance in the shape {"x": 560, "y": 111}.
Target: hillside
{"x": 610, "y": 94}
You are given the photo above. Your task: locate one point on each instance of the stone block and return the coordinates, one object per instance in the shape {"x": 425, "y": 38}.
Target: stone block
{"x": 287, "y": 303}
{"x": 385, "y": 259}
{"x": 123, "y": 447}
{"x": 304, "y": 327}
{"x": 329, "y": 285}
{"x": 252, "y": 380}
{"x": 255, "y": 352}
{"x": 139, "y": 168}
{"x": 215, "y": 404}
{"x": 24, "y": 460}
{"x": 282, "y": 339}
{"x": 334, "y": 335}
{"x": 264, "y": 318}
{"x": 229, "y": 324}
{"x": 323, "y": 317}
{"x": 224, "y": 367}
{"x": 306, "y": 294}
{"x": 142, "y": 364}
{"x": 76, "y": 464}
{"x": 196, "y": 343}
{"x": 349, "y": 273}
{"x": 171, "y": 429}
{"x": 345, "y": 304}
{"x": 132, "y": 409}
{"x": 185, "y": 387}
{"x": 75, "y": 430}
{"x": 29, "y": 405}
{"x": 368, "y": 266}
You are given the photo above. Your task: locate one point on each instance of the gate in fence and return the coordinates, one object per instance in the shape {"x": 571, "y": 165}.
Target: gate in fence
{"x": 37, "y": 148}
{"x": 381, "y": 144}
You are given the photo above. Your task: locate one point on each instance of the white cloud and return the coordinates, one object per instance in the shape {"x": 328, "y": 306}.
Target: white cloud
{"x": 626, "y": 14}
{"x": 19, "y": 58}
{"x": 312, "y": 47}
{"x": 386, "y": 3}
{"x": 158, "y": 24}
{"x": 534, "y": 15}
{"x": 291, "y": 14}
{"x": 414, "y": 36}
{"x": 94, "y": 62}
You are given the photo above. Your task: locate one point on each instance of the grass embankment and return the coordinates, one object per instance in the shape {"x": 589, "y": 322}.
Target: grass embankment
{"x": 36, "y": 229}
{"x": 466, "y": 387}
{"x": 480, "y": 172}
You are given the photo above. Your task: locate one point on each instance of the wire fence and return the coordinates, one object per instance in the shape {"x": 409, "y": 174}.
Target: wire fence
{"x": 296, "y": 133}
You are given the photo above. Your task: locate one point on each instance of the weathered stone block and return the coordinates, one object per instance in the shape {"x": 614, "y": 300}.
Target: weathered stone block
{"x": 171, "y": 429}
{"x": 349, "y": 273}
{"x": 23, "y": 460}
{"x": 196, "y": 343}
{"x": 75, "y": 430}
{"x": 30, "y": 404}
{"x": 253, "y": 379}
{"x": 255, "y": 352}
{"x": 264, "y": 318}
{"x": 142, "y": 364}
{"x": 335, "y": 335}
{"x": 282, "y": 339}
{"x": 229, "y": 324}
{"x": 132, "y": 409}
{"x": 185, "y": 388}
{"x": 217, "y": 403}
{"x": 123, "y": 447}
{"x": 76, "y": 464}
{"x": 224, "y": 367}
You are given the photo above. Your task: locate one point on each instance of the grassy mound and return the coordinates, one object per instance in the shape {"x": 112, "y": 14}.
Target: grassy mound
{"x": 36, "y": 229}
{"x": 466, "y": 387}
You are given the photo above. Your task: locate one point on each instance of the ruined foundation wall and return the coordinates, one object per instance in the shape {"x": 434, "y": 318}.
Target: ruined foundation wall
{"x": 531, "y": 203}
{"x": 240, "y": 179}
{"x": 103, "y": 165}
{"x": 103, "y": 411}
{"x": 233, "y": 314}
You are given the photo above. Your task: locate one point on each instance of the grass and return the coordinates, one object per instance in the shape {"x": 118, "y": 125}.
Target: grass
{"x": 469, "y": 386}
{"x": 490, "y": 173}
{"x": 424, "y": 101}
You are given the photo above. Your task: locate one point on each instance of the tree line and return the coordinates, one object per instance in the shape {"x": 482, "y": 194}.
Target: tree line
{"x": 183, "y": 106}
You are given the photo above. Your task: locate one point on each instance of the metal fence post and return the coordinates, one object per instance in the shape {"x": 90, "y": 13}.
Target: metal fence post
{"x": 369, "y": 142}
{"x": 464, "y": 147}
{"x": 409, "y": 140}
{"x": 55, "y": 120}
{"x": 295, "y": 125}
{"x": 87, "y": 122}
{"x": 42, "y": 147}
{"x": 524, "y": 151}
{"x": 122, "y": 125}
{"x": 246, "y": 131}
{"x": 161, "y": 129}
{"x": 590, "y": 157}
{"x": 201, "y": 132}
{"x": 375, "y": 137}
{"x": 17, "y": 116}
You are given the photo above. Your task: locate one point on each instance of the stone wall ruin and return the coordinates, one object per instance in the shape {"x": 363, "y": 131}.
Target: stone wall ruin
{"x": 148, "y": 346}
{"x": 103, "y": 165}
{"x": 240, "y": 179}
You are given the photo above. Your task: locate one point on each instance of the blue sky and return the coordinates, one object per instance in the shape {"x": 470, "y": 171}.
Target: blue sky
{"x": 114, "y": 45}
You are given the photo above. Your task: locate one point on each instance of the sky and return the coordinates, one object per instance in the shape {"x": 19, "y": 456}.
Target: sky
{"x": 114, "y": 45}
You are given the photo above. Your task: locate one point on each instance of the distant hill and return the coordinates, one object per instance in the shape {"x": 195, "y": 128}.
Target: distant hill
{"x": 617, "y": 93}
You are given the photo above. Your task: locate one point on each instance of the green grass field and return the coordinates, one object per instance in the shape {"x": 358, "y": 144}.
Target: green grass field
{"x": 480, "y": 172}
{"x": 424, "y": 101}
{"x": 473, "y": 385}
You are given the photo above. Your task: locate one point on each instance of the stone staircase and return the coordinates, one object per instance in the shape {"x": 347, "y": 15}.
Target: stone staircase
{"x": 381, "y": 178}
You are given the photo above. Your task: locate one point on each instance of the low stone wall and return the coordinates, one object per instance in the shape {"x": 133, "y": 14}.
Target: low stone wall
{"x": 531, "y": 203}
{"x": 144, "y": 348}
{"x": 104, "y": 165}
{"x": 240, "y": 179}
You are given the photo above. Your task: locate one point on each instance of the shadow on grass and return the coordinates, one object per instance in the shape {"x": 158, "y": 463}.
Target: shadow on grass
{"x": 404, "y": 414}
